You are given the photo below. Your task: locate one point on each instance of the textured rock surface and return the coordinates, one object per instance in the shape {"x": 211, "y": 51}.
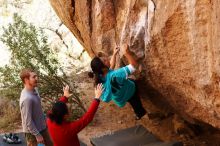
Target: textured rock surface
{"x": 175, "y": 41}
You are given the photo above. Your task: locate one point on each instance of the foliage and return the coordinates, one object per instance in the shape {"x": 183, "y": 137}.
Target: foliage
{"x": 29, "y": 49}
{"x": 10, "y": 115}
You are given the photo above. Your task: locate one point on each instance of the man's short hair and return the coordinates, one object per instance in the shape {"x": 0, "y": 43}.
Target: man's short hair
{"x": 25, "y": 73}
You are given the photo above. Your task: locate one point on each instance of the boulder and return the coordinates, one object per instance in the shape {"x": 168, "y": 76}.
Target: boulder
{"x": 174, "y": 41}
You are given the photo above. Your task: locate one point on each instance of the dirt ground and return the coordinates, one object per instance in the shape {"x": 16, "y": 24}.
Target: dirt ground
{"x": 110, "y": 118}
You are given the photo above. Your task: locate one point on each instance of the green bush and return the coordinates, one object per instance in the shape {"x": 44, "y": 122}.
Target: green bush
{"x": 10, "y": 115}
{"x": 29, "y": 49}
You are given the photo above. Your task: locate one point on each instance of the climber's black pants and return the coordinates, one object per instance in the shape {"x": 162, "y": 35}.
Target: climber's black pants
{"x": 136, "y": 103}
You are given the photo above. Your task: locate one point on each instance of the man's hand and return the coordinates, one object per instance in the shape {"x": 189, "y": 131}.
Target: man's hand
{"x": 66, "y": 92}
{"x": 39, "y": 138}
{"x": 98, "y": 91}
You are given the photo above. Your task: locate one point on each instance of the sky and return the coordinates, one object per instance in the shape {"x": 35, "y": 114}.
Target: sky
{"x": 4, "y": 53}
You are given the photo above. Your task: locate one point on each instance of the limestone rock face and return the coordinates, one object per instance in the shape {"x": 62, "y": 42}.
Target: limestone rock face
{"x": 175, "y": 41}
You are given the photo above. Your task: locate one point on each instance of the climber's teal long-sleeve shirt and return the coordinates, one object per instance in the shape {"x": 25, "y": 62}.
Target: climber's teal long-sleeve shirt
{"x": 117, "y": 86}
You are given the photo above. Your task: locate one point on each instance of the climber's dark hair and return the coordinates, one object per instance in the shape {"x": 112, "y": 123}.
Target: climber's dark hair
{"x": 59, "y": 110}
{"x": 97, "y": 69}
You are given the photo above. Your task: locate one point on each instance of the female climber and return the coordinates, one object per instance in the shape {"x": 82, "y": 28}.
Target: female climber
{"x": 117, "y": 86}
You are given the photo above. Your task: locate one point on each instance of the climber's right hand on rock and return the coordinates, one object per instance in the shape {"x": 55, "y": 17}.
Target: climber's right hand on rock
{"x": 125, "y": 49}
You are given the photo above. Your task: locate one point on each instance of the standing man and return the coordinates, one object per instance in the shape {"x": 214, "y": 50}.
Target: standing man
{"x": 33, "y": 121}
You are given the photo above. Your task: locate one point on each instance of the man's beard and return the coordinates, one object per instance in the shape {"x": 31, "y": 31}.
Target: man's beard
{"x": 33, "y": 84}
